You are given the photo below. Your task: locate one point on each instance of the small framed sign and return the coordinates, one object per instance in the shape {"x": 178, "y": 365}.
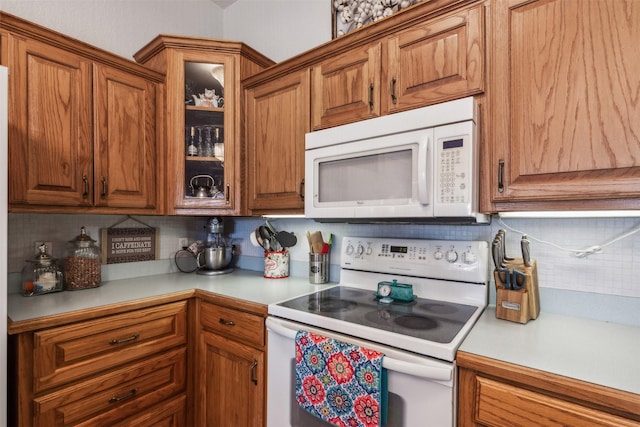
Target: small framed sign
{"x": 129, "y": 244}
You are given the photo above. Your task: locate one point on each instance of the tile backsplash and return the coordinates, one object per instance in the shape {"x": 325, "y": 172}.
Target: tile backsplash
{"x": 26, "y": 229}
{"x": 613, "y": 271}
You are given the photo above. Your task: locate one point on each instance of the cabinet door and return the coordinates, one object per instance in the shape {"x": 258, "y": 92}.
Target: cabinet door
{"x": 232, "y": 383}
{"x": 436, "y": 61}
{"x": 203, "y": 145}
{"x": 346, "y": 88}
{"x": 277, "y": 119}
{"x": 125, "y": 141}
{"x": 564, "y": 117}
{"x": 50, "y": 140}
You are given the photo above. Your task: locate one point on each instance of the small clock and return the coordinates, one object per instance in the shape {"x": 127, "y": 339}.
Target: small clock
{"x": 394, "y": 291}
{"x": 384, "y": 289}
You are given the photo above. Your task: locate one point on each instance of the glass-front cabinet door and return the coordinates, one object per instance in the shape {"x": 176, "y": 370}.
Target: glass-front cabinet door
{"x": 204, "y": 134}
{"x": 202, "y": 121}
{"x": 202, "y": 157}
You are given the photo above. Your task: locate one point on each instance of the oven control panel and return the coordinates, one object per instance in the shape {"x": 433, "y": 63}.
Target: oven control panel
{"x": 438, "y": 259}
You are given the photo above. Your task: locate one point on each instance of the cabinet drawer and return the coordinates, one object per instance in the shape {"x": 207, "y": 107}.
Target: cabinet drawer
{"x": 499, "y": 404}
{"x": 167, "y": 414}
{"x": 244, "y": 327}
{"x": 75, "y": 351}
{"x": 108, "y": 398}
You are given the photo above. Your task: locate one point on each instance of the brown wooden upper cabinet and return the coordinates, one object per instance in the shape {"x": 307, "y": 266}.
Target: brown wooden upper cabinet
{"x": 564, "y": 121}
{"x": 432, "y": 60}
{"x": 204, "y": 143}
{"x": 277, "y": 113}
{"x": 83, "y": 133}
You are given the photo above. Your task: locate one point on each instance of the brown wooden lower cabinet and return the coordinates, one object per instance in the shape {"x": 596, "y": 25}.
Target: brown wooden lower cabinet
{"x": 111, "y": 370}
{"x": 231, "y": 375}
{"x": 494, "y": 393}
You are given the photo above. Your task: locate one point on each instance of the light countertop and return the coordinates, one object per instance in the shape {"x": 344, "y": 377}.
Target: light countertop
{"x": 594, "y": 351}
{"x": 245, "y": 285}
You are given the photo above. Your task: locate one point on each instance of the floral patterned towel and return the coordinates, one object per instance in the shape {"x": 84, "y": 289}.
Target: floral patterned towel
{"x": 340, "y": 383}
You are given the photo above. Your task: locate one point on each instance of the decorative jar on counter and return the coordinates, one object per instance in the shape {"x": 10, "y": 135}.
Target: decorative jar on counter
{"x": 41, "y": 275}
{"x": 82, "y": 263}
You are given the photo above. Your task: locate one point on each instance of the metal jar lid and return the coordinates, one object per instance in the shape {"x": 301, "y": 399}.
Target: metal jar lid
{"x": 42, "y": 258}
{"x": 83, "y": 239}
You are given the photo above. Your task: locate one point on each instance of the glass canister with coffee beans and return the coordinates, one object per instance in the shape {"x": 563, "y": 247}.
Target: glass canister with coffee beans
{"x": 82, "y": 263}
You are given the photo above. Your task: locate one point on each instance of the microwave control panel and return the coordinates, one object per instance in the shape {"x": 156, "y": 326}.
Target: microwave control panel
{"x": 455, "y": 170}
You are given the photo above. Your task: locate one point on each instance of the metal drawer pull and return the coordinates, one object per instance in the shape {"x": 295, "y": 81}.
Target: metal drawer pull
{"x": 126, "y": 396}
{"x": 254, "y": 378}
{"x": 371, "y": 96}
{"x": 393, "y": 91}
{"x": 227, "y": 322}
{"x": 85, "y": 183}
{"x": 124, "y": 340}
{"x": 104, "y": 187}
{"x": 500, "y": 173}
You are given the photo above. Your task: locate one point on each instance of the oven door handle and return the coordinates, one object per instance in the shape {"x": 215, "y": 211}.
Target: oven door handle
{"x": 413, "y": 369}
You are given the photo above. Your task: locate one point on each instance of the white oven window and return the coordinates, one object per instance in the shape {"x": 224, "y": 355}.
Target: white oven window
{"x": 380, "y": 176}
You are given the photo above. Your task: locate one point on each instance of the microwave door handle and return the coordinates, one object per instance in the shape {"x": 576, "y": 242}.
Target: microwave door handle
{"x": 423, "y": 170}
{"x": 416, "y": 370}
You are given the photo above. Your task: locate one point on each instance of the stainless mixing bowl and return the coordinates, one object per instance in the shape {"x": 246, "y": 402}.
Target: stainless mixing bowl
{"x": 215, "y": 258}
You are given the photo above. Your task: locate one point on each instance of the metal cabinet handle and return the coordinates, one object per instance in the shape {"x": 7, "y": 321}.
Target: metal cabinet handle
{"x": 371, "y": 96}
{"x": 103, "y": 180}
{"x": 85, "y": 183}
{"x": 227, "y": 322}
{"x": 392, "y": 89}
{"x": 124, "y": 340}
{"x": 129, "y": 395}
{"x": 254, "y": 377}
{"x": 301, "y": 190}
{"x": 227, "y": 195}
{"x": 500, "y": 173}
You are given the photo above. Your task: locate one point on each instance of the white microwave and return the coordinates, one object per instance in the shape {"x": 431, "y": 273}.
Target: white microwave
{"x": 415, "y": 166}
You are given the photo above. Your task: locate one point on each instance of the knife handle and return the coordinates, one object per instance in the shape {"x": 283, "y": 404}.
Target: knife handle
{"x": 495, "y": 253}
{"x": 526, "y": 251}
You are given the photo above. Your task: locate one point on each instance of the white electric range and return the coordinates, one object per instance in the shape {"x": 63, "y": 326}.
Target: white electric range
{"x": 440, "y": 289}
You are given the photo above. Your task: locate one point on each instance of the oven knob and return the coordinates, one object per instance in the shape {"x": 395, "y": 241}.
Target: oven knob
{"x": 349, "y": 249}
{"x": 438, "y": 255}
{"x": 469, "y": 257}
{"x": 360, "y": 250}
{"x": 452, "y": 256}
{"x": 369, "y": 250}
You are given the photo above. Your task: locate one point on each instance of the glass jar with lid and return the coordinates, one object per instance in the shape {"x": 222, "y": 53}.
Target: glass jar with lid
{"x": 42, "y": 274}
{"x": 82, "y": 263}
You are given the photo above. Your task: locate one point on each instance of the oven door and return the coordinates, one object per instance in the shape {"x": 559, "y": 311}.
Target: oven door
{"x": 421, "y": 390}
{"x": 384, "y": 177}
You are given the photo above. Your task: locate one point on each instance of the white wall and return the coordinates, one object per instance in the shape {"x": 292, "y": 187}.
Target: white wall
{"x": 121, "y": 26}
{"x": 279, "y": 29}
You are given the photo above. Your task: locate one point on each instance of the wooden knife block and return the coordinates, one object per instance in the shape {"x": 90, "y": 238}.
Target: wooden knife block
{"x": 521, "y": 305}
